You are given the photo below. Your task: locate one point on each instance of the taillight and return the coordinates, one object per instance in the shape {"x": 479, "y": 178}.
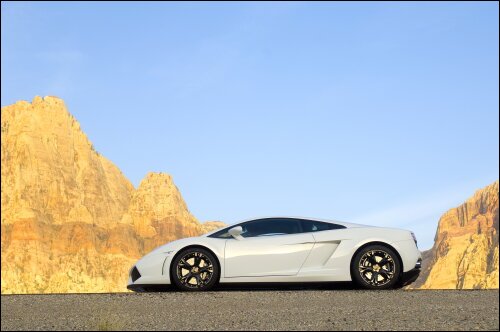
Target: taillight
{"x": 414, "y": 237}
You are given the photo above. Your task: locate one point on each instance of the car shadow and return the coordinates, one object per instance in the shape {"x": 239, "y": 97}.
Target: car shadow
{"x": 263, "y": 287}
{"x": 286, "y": 286}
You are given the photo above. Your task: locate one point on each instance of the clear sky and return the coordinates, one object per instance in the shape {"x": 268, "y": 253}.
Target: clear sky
{"x": 379, "y": 113}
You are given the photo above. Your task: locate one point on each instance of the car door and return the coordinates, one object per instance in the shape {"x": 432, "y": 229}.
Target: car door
{"x": 270, "y": 247}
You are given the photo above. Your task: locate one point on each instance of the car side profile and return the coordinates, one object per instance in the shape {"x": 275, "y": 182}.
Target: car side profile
{"x": 283, "y": 249}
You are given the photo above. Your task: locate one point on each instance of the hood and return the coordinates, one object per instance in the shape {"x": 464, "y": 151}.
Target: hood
{"x": 171, "y": 246}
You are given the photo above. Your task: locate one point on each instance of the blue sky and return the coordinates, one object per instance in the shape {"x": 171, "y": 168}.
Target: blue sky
{"x": 380, "y": 113}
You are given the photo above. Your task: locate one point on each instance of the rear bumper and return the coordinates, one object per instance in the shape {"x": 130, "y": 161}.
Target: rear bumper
{"x": 412, "y": 275}
{"x": 409, "y": 253}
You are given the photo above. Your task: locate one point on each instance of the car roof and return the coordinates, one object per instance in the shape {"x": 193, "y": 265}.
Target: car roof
{"x": 346, "y": 224}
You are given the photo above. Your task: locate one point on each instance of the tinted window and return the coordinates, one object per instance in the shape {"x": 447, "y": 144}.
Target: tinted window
{"x": 275, "y": 226}
{"x": 223, "y": 234}
{"x": 268, "y": 227}
{"x": 263, "y": 227}
{"x": 317, "y": 226}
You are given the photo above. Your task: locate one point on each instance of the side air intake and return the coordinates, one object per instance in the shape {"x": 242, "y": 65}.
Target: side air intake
{"x": 134, "y": 274}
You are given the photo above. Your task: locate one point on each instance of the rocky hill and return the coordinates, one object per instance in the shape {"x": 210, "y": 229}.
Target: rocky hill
{"x": 465, "y": 251}
{"x": 71, "y": 221}
{"x": 210, "y": 226}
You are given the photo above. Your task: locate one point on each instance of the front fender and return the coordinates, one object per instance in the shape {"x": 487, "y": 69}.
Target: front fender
{"x": 154, "y": 267}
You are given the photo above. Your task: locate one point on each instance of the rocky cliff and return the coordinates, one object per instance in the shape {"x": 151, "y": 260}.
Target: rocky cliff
{"x": 465, "y": 251}
{"x": 210, "y": 226}
{"x": 71, "y": 221}
{"x": 51, "y": 172}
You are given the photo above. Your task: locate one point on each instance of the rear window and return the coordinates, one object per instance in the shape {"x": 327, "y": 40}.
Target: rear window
{"x": 318, "y": 226}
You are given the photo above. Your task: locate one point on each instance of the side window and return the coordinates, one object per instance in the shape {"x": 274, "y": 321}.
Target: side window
{"x": 277, "y": 226}
{"x": 222, "y": 234}
{"x": 269, "y": 227}
{"x": 318, "y": 226}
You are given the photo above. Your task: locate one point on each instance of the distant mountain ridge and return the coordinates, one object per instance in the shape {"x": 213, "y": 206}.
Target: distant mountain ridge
{"x": 71, "y": 221}
{"x": 465, "y": 251}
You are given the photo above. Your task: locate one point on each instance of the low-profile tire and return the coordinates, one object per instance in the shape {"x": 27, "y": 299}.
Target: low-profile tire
{"x": 376, "y": 267}
{"x": 195, "y": 269}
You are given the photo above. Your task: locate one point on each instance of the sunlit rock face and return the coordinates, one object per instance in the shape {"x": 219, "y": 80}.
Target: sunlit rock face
{"x": 157, "y": 209}
{"x": 51, "y": 172}
{"x": 465, "y": 252}
{"x": 210, "y": 226}
{"x": 71, "y": 221}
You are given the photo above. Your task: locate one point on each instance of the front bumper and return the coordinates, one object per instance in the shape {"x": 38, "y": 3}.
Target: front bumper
{"x": 142, "y": 288}
{"x": 151, "y": 270}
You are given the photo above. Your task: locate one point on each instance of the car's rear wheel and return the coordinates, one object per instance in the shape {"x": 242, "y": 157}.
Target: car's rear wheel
{"x": 376, "y": 267}
{"x": 195, "y": 269}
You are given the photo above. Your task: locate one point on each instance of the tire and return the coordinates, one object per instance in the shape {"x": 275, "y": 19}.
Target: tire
{"x": 368, "y": 272}
{"x": 194, "y": 270}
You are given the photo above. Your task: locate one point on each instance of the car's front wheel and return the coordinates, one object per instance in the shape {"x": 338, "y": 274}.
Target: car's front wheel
{"x": 376, "y": 267}
{"x": 195, "y": 269}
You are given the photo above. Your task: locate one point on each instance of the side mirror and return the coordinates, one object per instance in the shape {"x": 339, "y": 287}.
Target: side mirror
{"x": 236, "y": 232}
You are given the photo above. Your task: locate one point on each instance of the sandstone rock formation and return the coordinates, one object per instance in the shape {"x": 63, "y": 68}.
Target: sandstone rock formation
{"x": 71, "y": 221}
{"x": 210, "y": 226}
{"x": 465, "y": 251}
{"x": 50, "y": 171}
{"x": 157, "y": 206}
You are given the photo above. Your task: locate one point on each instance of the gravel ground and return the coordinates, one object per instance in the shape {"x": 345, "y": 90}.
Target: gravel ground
{"x": 264, "y": 309}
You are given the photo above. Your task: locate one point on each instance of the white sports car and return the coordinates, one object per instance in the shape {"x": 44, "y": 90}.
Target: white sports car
{"x": 282, "y": 249}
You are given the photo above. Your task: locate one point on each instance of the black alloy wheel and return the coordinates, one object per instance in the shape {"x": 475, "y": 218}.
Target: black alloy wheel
{"x": 376, "y": 267}
{"x": 195, "y": 269}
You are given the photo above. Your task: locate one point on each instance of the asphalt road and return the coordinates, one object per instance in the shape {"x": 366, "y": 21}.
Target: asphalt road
{"x": 242, "y": 309}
